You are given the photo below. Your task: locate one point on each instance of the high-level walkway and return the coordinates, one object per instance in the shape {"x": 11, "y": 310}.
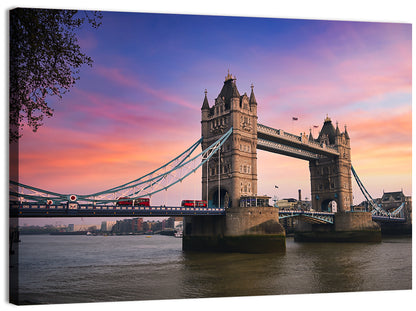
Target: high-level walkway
{"x": 281, "y": 142}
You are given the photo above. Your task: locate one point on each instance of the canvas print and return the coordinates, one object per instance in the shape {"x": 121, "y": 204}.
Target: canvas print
{"x": 171, "y": 156}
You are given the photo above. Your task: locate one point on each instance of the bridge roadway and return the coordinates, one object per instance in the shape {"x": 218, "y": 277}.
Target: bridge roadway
{"x": 90, "y": 210}
{"x": 23, "y": 210}
{"x": 312, "y": 217}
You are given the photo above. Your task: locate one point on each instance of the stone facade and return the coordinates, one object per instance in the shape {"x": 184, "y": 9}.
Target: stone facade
{"x": 249, "y": 229}
{"x": 331, "y": 179}
{"x": 229, "y": 176}
{"x": 347, "y": 227}
{"x": 234, "y": 172}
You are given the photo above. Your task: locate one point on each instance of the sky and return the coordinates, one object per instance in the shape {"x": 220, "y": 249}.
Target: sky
{"x": 138, "y": 106}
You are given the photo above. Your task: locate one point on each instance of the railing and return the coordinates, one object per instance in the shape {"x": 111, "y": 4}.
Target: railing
{"x": 328, "y": 218}
{"x": 294, "y": 138}
{"x": 390, "y": 219}
{"x": 90, "y": 210}
{"x": 319, "y": 217}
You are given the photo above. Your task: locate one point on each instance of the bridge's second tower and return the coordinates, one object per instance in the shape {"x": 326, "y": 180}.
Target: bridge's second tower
{"x": 331, "y": 185}
{"x": 233, "y": 172}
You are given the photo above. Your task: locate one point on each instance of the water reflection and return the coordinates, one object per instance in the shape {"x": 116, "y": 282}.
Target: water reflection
{"x": 87, "y": 269}
{"x": 304, "y": 268}
{"x": 235, "y": 274}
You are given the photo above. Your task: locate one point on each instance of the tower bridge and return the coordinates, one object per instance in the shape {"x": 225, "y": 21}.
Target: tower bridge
{"x": 329, "y": 154}
{"x": 233, "y": 175}
{"x": 230, "y": 138}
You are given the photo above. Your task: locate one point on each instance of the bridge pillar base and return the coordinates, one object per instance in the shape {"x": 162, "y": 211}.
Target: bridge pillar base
{"x": 396, "y": 229}
{"x": 247, "y": 230}
{"x": 347, "y": 227}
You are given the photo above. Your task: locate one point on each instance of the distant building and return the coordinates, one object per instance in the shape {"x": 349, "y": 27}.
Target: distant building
{"x": 286, "y": 204}
{"x": 137, "y": 224}
{"x": 392, "y": 200}
{"x": 178, "y": 223}
{"x": 293, "y": 204}
{"x": 107, "y": 226}
{"x": 170, "y": 223}
{"x": 130, "y": 225}
{"x": 85, "y": 227}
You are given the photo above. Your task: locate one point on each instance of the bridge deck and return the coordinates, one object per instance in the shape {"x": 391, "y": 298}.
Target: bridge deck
{"x": 24, "y": 210}
{"x": 387, "y": 219}
{"x": 327, "y": 217}
{"x": 309, "y": 216}
{"x": 89, "y": 210}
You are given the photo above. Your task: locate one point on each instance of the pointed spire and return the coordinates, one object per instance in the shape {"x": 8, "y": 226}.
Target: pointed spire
{"x": 327, "y": 119}
{"x": 346, "y": 133}
{"x": 229, "y": 76}
{"x": 205, "y": 104}
{"x": 252, "y": 97}
{"x": 310, "y": 135}
{"x": 337, "y": 131}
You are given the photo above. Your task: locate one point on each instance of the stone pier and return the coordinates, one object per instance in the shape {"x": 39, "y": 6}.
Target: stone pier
{"x": 247, "y": 230}
{"x": 347, "y": 227}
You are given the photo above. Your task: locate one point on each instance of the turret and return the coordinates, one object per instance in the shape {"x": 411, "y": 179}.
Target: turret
{"x": 205, "y": 110}
{"x": 346, "y": 133}
{"x": 338, "y": 137}
{"x": 327, "y": 133}
{"x": 205, "y": 104}
{"x": 253, "y": 101}
{"x": 310, "y": 136}
{"x": 337, "y": 132}
{"x": 229, "y": 93}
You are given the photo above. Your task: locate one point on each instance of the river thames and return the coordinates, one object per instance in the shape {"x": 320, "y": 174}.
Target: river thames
{"x": 73, "y": 269}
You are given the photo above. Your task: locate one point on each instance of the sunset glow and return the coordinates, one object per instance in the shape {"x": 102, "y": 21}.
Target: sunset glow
{"x": 139, "y": 105}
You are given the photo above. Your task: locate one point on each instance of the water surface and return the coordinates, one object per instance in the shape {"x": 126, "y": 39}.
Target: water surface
{"x": 68, "y": 269}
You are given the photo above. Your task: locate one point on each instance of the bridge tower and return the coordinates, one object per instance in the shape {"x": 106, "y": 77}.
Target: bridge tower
{"x": 232, "y": 173}
{"x": 331, "y": 181}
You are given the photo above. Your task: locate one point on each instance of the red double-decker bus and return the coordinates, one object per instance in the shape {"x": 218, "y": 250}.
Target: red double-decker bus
{"x": 194, "y": 203}
{"x": 135, "y": 202}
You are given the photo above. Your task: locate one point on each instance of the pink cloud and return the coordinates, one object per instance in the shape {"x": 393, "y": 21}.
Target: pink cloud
{"x": 88, "y": 162}
{"x": 381, "y": 151}
{"x": 319, "y": 81}
{"x": 117, "y": 76}
{"x": 104, "y": 114}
